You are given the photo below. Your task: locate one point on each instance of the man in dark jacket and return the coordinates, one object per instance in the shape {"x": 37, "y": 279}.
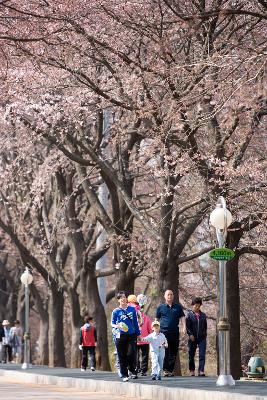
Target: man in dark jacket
{"x": 196, "y": 327}
{"x": 170, "y": 315}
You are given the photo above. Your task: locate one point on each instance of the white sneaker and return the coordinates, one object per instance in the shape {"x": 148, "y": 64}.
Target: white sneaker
{"x": 92, "y": 369}
{"x": 126, "y": 379}
{"x": 82, "y": 369}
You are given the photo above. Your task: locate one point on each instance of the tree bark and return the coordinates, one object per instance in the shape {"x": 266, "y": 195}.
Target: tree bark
{"x": 43, "y": 355}
{"x": 125, "y": 282}
{"x": 76, "y": 322}
{"x": 56, "y": 334}
{"x": 169, "y": 280}
{"x": 96, "y": 309}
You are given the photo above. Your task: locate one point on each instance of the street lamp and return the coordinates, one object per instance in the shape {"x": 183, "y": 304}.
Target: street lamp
{"x": 26, "y": 278}
{"x": 221, "y": 218}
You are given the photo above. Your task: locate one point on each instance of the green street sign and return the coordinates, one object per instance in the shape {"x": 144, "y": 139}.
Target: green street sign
{"x": 222, "y": 254}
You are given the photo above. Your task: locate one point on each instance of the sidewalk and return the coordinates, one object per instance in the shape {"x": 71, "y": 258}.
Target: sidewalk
{"x": 178, "y": 388}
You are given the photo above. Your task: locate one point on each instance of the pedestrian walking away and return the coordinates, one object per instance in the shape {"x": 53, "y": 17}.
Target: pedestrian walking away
{"x": 16, "y": 341}
{"x": 6, "y": 342}
{"x": 88, "y": 343}
{"x": 169, "y": 314}
{"x": 158, "y": 343}
{"x": 196, "y": 327}
{"x": 125, "y": 324}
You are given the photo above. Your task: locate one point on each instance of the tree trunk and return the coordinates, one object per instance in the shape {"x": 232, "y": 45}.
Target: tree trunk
{"x": 43, "y": 355}
{"x": 177, "y": 367}
{"x": 233, "y": 305}
{"x": 76, "y": 321}
{"x": 96, "y": 309}
{"x": 41, "y": 306}
{"x": 168, "y": 278}
{"x": 56, "y": 337}
{"x": 125, "y": 282}
{"x": 21, "y": 308}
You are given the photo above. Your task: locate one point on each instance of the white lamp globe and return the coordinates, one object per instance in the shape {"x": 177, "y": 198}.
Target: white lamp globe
{"x": 218, "y": 220}
{"x": 26, "y": 278}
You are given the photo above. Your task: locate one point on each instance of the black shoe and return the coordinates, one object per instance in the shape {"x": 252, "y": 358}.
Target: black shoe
{"x": 143, "y": 373}
{"x": 158, "y": 378}
{"x": 134, "y": 376}
{"x": 202, "y": 374}
{"x": 153, "y": 377}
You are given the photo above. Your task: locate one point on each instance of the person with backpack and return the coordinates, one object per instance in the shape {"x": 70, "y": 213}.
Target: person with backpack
{"x": 196, "y": 327}
{"x": 126, "y": 330}
{"x": 88, "y": 343}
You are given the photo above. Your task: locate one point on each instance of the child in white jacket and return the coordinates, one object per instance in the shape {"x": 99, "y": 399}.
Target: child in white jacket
{"x": 157, "y": 342}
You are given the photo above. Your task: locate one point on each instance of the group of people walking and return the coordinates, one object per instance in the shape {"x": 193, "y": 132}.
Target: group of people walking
{"x": 134, "y": 333}
{"x": 10, "y": 342}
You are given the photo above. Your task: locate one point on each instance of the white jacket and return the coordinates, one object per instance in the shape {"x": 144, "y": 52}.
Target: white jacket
{"x": 156, "y": 340}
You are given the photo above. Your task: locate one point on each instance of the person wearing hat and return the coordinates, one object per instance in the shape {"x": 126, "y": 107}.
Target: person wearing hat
{"x": 6, "y": 342}
{"x": 157, "y": 342}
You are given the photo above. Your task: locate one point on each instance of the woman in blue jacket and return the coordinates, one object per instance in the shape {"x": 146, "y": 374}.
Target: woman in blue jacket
{"x": 126, "y": 330}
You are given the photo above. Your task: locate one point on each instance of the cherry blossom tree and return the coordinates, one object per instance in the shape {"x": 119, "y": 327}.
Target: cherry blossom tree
{"x": 184, "y": 86}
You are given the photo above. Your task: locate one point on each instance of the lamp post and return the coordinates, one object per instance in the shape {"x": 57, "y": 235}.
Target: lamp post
{"x": 26, "y": 278}
{"x": 221, "y": 218}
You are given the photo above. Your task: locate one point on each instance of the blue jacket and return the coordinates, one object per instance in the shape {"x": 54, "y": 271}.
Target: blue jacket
{"x": 196, "y": 327}
{"x": 169, "y": 317}
{"x": 7, "y": 338}
{"x": 129, "y": 317}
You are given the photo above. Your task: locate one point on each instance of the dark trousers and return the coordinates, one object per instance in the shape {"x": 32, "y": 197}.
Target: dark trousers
{"x": 7, "y": 353}
{"x": 171, "y": 351}
{"x": 142, "y": 357}
{"x": 126, "y": 349}
{"x": 85, "y": 350}
{"x": 192, "y": 347}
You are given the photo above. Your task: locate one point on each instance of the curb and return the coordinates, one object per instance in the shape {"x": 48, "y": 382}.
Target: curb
{"x": 133, "y": 389}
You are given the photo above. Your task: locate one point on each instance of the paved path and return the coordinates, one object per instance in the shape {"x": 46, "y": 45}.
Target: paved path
{"x": 18, "y": 391}
{"x": 178, "y": 388}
